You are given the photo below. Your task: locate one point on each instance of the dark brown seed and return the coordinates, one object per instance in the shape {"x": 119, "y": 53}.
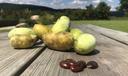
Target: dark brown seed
{"x": 82, "y": 64}
{"x": 72, "y": 63}
{"x": 92, "y": 65}
{"x": 64, "y": 65}
{"x": 76, "y": 68}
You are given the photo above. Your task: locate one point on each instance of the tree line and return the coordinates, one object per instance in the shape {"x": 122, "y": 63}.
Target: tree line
{"x": 101, "y": 11}
{"x": 124, "y": 7}
{"x": 91, "y": 12}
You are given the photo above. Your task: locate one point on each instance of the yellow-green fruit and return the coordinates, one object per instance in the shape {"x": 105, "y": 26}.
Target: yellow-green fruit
{"x": 21, "y": 31}
{"x": 61, "y": 25}
{"x": 62, "y": 41}
{"x": 76, "y": 33}
{"x": 85, "y": 44}
{"x": 40, "y": 30}
{"x": 22, "y": 41}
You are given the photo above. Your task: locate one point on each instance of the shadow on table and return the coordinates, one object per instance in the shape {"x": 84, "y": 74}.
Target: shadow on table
{"x": 94, "y": 52}
{"x": 70, "y": 50}
{"x": 39, "y": 42}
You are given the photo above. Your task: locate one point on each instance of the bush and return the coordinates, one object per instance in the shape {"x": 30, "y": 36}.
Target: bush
{"x": 4, "y": 23}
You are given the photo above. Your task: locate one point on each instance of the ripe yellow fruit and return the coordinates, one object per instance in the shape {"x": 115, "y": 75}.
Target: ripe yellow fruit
{"x": 22, "y": 41}
{"x": 21, "y": 31}
{"x": 40, "y": 30}
{"x": 62, "y": 41}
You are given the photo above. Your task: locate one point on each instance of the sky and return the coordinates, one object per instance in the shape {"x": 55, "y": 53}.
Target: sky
{"x": 60, "y": 4}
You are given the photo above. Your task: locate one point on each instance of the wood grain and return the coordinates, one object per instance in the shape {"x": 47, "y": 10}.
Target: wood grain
{"x": 114, "y": 34}
{"x": 111, "y": 56}
{"x": 13, "y": 61}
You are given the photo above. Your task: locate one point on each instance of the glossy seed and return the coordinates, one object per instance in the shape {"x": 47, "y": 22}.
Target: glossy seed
{"x": 76, "y": 68}
{"x": 70, "y": 61}
{"x": 64, "y": 65}
{"x": 92, "y": 65}
{"x": 82, "y": 64}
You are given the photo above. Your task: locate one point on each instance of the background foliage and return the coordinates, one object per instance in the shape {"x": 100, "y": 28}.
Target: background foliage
{"x": 11, "y": 14}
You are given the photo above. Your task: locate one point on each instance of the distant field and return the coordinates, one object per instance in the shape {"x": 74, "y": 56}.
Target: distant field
{"x": 121, "y": 25}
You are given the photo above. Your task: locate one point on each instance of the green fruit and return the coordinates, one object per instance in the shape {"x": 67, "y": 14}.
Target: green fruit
{"x": 76, "y": 33}
{"x": 85, "y": 44}
{"x": 22, "y": 41}
{"x": 61, "y": 25}
{"x": 59, "y": 41}
{"x": 21, "y": 31}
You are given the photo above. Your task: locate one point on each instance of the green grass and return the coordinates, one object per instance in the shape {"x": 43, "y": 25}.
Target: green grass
{"x": 121, "y": 25}
{"x": 119, "y": 18}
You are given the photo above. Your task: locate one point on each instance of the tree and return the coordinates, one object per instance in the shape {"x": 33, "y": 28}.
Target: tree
{"x": 124, "y": 5}
{"x": 103, "y": 10}
{"x": 90, "y": 12}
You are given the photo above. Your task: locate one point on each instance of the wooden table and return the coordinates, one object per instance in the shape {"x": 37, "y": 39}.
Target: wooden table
{"x": 111, "y": 54}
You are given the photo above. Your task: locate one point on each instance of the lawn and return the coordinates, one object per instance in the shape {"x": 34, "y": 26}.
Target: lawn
{"x": 121, "y": 25}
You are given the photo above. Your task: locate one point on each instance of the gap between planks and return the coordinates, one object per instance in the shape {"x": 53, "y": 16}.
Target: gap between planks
{"x": 111, "y": 60}
{"x": 14, "y": 61}
{"x": 119, "y": 36}
{"x": 45, "y": 73}
{"x": 27, "y": 64}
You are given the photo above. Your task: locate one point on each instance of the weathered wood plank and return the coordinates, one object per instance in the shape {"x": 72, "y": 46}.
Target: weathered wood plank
{"x": 47, "y": 64}
{"x": 14, "y": 61}
{"x": 113, "y": 54}
{"x": 114, "y": 34}
{"x": 112, "y": 57}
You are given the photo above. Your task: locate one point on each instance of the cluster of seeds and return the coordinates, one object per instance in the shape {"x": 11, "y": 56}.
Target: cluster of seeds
{"x": 77, "y": 66}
